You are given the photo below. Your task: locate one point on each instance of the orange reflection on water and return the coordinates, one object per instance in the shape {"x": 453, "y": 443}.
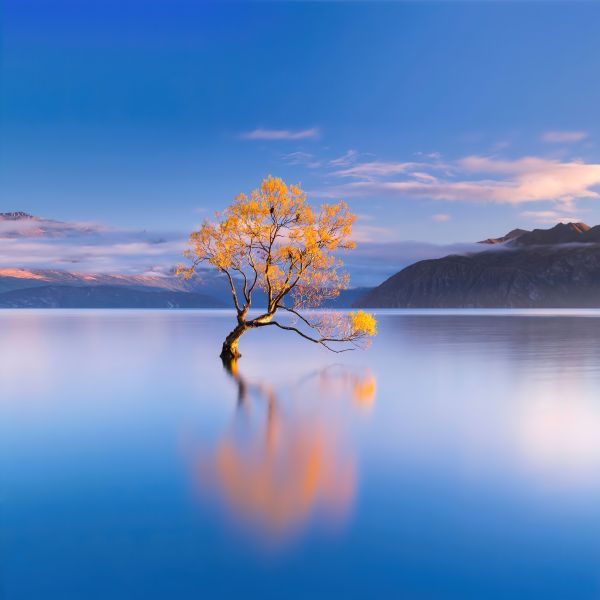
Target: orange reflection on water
{"x": 276, "y": 482}
{"x": 340, "y": 382}
{"x": 278, "y": 467}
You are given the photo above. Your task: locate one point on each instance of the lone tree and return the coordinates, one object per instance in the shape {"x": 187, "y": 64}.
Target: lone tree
{"x": 274, "y": 240}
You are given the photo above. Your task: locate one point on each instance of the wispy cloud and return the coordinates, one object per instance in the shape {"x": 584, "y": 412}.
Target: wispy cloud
{"x": 370, "y": 170}
{"x": 124, "y": 257}
{"x": 561, "y": 137}
{"x": 531, "y": 179}
{"x": 45, "y": 243}
{"x": 474, "y": 179}
{"x": 364, "y": 232}
{"x": 428, "y": 177}
{"x": 549, "y": 217}
{"x": 441, "y": 217}
{"x": 26, "y": 226}
{"x": 281, "y": 134}
{"x": 345, "y": 159}
{"x": 430, "y": 155}
{"x": 306, "y": 159}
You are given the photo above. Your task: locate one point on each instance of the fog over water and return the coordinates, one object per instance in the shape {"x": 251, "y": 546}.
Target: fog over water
{"x": 459, "y": 456}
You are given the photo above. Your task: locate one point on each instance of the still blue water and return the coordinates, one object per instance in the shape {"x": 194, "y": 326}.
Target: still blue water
{"x": 459, "y": 456}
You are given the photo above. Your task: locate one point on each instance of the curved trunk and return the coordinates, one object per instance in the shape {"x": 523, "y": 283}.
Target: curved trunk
{"x": 230, "y": 352}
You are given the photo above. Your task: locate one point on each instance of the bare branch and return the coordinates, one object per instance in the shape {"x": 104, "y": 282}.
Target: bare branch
{"x": 245, "y": 288}
{"x": 233, "y": 292}
{"x": 295, "y": 312}
{"x": 321, "y": 341}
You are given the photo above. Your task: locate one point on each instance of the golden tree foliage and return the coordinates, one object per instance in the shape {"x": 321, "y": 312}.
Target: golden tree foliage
{"x": 275, "y": 240}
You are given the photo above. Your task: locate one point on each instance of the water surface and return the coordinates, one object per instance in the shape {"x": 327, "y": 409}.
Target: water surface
{"x": 457, "y": 457}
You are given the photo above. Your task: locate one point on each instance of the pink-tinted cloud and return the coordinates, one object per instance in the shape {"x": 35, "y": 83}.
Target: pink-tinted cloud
{"x": 549, "y": 217}
{"x": 476, "y": 179}
{"x": 33, "y": 242}
{"x": 22, "y": 225}
{"x": 562, "y": 137}
{"x": 441, "y": 217}
{"x": 533, "y": 179}
{"x": 366, "y": 232}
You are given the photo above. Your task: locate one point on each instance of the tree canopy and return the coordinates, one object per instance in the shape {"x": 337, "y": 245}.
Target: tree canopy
{"x": 276, "y": 241}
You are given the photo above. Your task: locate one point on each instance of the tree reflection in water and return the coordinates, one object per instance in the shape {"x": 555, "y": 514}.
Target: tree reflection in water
{"x": 277, "y": 468}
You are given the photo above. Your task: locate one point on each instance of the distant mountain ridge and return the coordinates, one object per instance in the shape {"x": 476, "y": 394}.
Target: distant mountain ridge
{"x": 103, "y": 296}
{"x": 44, "y": 288}
{"x": 15, "y": 216}
{"x": 59, "y": 277}
{"x": 561, "y": 233}
{"x": 556, "y": 267}
{"x": 510, "y": 236}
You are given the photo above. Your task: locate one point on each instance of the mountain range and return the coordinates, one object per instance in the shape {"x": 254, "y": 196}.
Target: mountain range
{"x": 556, "y": 267}
{"x": 41, "y": 288}
{"x": 44, "y": 288}
{"x": 562, "y": 233}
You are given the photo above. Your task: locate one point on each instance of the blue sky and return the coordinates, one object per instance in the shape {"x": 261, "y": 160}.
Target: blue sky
{"x": 438, "y": 122}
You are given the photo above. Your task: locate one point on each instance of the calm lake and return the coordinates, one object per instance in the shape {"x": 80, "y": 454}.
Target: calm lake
{"x": 459, "y": 456}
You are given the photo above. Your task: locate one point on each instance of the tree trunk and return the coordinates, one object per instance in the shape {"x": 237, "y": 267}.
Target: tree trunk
{"x": 230, "y": 352}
